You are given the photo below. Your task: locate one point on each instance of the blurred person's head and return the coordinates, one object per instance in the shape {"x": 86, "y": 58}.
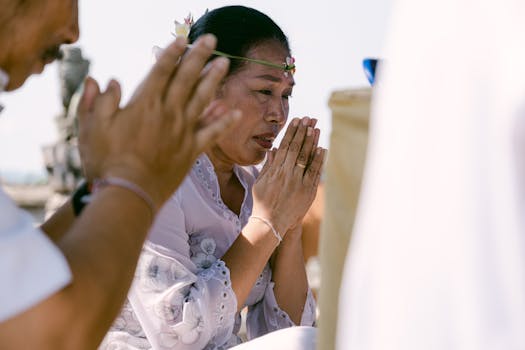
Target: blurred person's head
{"x": 31, "y": 32}
{"x": 260, "y": 91}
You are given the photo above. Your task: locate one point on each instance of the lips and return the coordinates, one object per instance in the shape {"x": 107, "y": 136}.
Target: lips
{"x": 264, "y": 140}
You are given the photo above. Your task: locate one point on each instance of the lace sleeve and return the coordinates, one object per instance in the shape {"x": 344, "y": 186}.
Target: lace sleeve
{"x": 266, "y": 316}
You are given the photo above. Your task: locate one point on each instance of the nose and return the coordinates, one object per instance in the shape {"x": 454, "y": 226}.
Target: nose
{"x": 277, "y": 111}
{"x": 73, "y": 31}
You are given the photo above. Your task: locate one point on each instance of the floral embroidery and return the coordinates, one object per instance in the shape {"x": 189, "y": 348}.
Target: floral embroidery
{"x": 127, "y": 321}
{"x": 205, "y": 258}
{"x": 160, "y": 272}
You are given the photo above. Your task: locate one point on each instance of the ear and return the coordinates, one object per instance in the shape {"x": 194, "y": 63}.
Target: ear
{"x": 220, "y": 89}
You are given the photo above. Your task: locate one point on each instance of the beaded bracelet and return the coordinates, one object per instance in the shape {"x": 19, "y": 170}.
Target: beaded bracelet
{"x": 269, "y": 224}
{"x": 98, "y": 184}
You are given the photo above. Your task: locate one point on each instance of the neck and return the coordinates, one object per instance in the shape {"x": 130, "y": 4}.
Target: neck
{"x": 222, "y": 164}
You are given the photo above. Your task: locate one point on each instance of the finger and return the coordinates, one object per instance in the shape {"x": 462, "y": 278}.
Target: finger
{"x": 269, "y": 159}
{"x": 157, "y": 52}
{"x": 317, "y": 133}
{"x": 313, "y": 122}
{"x": 108, "y": 102}
{"x": 213, "y": 111}
{"x": 162, "y": 71}
{"x": 188, "y": 73}
{"x": 271, "y": 155}
{"x": 86, "y": 103}
{"x": 280, "y": 155}
{"x": 313, "y": 172}
{"x": 206, "y": 88}
{"x": 296, "y": 144}
{"x": 210, "y": 133}
{"x": 306, "y": 150}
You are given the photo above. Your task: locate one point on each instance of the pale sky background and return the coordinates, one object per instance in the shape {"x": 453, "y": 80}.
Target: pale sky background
{"x": 329, "y": 39}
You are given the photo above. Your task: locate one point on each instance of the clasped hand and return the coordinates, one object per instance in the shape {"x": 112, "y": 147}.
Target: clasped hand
{"x": 287, "y": 184}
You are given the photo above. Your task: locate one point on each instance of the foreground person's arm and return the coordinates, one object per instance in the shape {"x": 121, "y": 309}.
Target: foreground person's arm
{"x": 151, "y": 143}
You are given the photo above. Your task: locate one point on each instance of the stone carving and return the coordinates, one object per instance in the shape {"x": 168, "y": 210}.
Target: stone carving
{"x": 62, "y": 159}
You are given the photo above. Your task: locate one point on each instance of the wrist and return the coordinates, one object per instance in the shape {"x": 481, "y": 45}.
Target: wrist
{"x": 294, "y": 234}
{"x": 278, "y": 224}
{"x": 269, "y": 225}
{"x": 129, "y": 186}
{"x": 139, "y": 176}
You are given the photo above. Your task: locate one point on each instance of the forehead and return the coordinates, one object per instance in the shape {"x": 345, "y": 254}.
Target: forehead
{"x": 270, "y": 51}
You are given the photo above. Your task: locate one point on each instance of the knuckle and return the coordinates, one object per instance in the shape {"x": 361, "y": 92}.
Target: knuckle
{"x": 302, "y": 157}
{"x": 294, "y": 146}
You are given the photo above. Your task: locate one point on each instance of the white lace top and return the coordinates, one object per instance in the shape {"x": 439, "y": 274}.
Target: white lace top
{"x": 182, "y": 292}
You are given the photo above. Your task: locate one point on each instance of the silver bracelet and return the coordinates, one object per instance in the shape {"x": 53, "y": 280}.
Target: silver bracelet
{"x": 98, "y": 184}
{"x": 269, "y": 224}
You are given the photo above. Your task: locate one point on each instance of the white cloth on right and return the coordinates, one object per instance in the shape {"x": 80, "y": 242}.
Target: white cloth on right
{"x": 292, "y": 338}
{"x": 32, "y": 268}
{"x": 437, "y": 258}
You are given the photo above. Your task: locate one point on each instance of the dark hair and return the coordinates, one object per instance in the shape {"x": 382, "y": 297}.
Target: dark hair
{"x": 237, "y": 29}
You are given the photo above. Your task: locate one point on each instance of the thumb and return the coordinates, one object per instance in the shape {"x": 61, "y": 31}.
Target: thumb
{"x": 270, "y": 156}
{"x": 87, "y": 101}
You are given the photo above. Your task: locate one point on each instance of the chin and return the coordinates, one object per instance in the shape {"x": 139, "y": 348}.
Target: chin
{"x": 16, "y": 81}
{"x": 259, "y": 158}
{"x": 14, "y": 84}
{"x": 252, "y": 159}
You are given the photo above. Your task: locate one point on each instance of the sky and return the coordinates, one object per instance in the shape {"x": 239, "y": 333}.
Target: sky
{"x": 328, "y": 40}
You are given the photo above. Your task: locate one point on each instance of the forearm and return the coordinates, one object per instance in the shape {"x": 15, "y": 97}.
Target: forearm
{"x": 290, "y": 293}
{"x": 60, "y": 222}
{"x": 102, "y": 247}
{"x": 247, "y": 257}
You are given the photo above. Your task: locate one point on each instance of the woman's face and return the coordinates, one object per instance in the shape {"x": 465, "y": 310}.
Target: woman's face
{"x": 262, "y": 94}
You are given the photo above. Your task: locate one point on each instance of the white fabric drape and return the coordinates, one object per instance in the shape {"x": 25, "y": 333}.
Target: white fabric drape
{"x": 437, "y": 259}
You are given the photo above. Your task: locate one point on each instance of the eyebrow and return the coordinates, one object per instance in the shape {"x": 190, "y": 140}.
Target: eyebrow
{"x": 271, "y": 78}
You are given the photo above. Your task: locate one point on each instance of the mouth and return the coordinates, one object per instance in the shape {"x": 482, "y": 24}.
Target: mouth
{"x": 264, "y": 140}
{"x": 49, "y": 56}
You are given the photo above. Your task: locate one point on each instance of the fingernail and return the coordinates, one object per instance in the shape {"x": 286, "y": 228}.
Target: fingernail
{"x": 209, "y": 41}
{"x": 222, "y": 62}
{"x": 319, "y": 150}
{"x": 306, "y": 121}
{"x": 309, "y": 131}
{"x": 112, "y": 84}
{"x": 295, "y": 122}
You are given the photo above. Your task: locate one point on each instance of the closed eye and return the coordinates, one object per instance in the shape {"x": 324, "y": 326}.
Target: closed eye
{"x": 265, "y": 92}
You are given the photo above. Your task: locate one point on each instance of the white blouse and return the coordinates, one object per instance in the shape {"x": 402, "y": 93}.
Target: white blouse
{"x": 182, "y": 297}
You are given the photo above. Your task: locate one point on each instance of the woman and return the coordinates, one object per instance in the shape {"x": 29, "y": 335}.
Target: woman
{"x": 214, "y": 247}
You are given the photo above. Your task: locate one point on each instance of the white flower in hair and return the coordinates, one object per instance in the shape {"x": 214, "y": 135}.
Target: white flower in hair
{"x": 183, "y": 29}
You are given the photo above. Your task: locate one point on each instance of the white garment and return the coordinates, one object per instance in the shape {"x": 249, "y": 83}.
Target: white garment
{"x": 293, "y": 338}
{"x": 437, "y": 259}
{"x": 31, "y": 267}
{"x": 182, "y": 297}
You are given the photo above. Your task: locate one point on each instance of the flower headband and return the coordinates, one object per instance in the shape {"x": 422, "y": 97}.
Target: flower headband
{"x": 183, "y": 29}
